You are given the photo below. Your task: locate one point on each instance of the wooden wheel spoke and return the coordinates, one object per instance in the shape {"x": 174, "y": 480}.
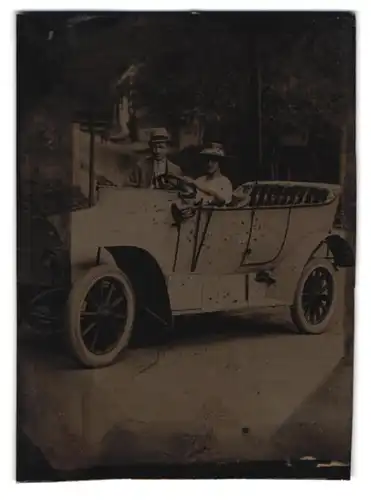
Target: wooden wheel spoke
{"x": 116, "y": 302}
{"x": 308, "y": 306}
{"x": 306, "y": 303}
{"x": 88, "y": 329}
{"x": 119, "y": 316}
{"x": 92, "y": 299}
{"x": 322, "y": 311}
{"x": 109, "y": 294}
{"x": 85, "y": 314}
{"x": 325, "y": 302}
{"x": 95, "y": 338}
{"x": 40, "y": 315}
{"x": 101, "y": 290}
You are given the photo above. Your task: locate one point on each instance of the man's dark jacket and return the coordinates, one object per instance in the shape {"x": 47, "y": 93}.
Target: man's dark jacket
{"x": 142, "y": 173}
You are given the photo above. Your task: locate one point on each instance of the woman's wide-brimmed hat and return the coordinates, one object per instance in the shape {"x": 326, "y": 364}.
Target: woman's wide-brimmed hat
{"x": 215, "y": 151}
{"x": 159, "y": 135}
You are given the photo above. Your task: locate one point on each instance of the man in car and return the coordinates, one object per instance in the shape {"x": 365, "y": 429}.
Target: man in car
{"x": 147, "y": 172}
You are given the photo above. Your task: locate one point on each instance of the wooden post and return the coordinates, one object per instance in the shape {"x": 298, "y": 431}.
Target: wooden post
{"x": 350, "y": 187}
{"x": 257, "y": 83}
{"x": 76, "y": 161}
{"x": 259, "y": 91}
{"x": 254, "y": 81}
{"x": 343, "y": 155}
{"x": 348, "y": 175}
{"x": 91, "y": 164}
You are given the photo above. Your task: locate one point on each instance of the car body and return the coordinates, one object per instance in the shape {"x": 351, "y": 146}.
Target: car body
{"x": 256, "y": 251}
{"x": 220, "y": 250}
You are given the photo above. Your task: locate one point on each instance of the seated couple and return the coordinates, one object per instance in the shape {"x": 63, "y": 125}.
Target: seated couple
{"x": 211, "y": 188}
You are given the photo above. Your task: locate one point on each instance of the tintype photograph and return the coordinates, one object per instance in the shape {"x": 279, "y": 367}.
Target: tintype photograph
{"x": 186, "y": 198}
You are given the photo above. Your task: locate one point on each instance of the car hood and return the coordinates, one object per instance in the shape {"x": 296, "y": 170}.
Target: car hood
{"x": 135, "y": 200}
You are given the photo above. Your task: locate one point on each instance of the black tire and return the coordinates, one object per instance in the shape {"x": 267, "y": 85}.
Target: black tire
{"x": 104, "y": 319}
{"x": 315, "y": 297}
{"x": 45, "y": 312}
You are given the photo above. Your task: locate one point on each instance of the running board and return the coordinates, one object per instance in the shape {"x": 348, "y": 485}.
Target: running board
{"x": 194, "y": 294}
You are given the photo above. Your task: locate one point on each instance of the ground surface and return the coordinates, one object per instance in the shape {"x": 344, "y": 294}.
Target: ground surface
{"x": 242, "y": 387}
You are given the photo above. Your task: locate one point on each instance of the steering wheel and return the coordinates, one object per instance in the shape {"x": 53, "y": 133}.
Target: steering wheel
{"x": 171, "y": 181}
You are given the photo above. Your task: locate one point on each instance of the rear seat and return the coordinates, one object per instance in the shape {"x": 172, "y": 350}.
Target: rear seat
{"x": 270, "y": 195}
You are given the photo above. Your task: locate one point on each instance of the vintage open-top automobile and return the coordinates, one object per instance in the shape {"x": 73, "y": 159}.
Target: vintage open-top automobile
{"x": 273, "y": 245}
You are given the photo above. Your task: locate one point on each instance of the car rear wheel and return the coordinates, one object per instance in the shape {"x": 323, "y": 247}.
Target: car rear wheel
{"x": 45, "y": 311}
{"x": 101, "y": 312}
{"x": 315, "y": 297}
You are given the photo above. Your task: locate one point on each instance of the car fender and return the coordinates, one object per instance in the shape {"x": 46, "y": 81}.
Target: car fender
{"x": 341, "y": 250}
{"x": 147, "y": 279}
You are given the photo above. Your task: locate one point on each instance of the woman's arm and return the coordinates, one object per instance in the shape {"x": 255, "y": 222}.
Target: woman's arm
{"x": 210, "y": 192}
{"x": 217, "y": 195}
{"x": 220, "y": 196}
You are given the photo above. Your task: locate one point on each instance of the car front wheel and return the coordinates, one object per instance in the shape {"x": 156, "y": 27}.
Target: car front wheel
{"x": 101, "y": 312}
{"x": 315, "y": 297}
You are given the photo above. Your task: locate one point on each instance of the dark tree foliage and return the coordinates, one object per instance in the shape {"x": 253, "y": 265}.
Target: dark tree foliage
{"x": 204, "y": 65}
{"x": 197, "y": 66}
{"x": 195, "y": 63}
{"x": 309, "y": 76}
{"x": 41, "y": 57}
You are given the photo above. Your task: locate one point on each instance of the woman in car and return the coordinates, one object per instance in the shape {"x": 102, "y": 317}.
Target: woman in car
{"x": 212, "y": 188}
